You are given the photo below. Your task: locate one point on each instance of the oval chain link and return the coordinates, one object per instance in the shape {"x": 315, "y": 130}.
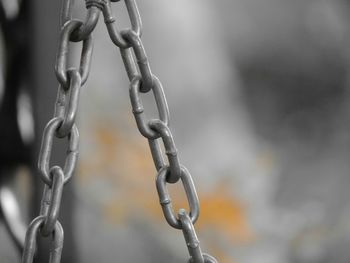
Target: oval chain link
{"x": 61, "y": 125}
{"x": 114, "y": 33}
{"x": 143, "y": 65}
{"x": 52, "y": 199}
{"x": 191, "y": 238}
{"x": 30, "y": 241}
{"x": 70, "y": 111}
{"x": 165, "y": 200}
{"x": 170, "y": 150}
{"x": 46, "y": 149}
{"x": 138, "y": 109}
{"x": 63, "y": 51}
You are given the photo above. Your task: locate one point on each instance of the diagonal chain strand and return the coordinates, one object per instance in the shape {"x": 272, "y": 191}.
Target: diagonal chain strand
{"x": 62, "y": 125}
{"x": 142, "y": 80}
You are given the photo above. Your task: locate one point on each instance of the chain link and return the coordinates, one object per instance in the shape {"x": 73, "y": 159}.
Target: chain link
{"x": 170, "y": 150}
{"x": 30, "y": 241}
{"x": 138, "y": 110}
{"x": 63, "y": 51}
{"x": 165, "y": 200}
{"x": 114, "y": 33}
{"x": 52, "y": 205}
{"x": 46, "y": 149}
{"x": 63, "y": 125}
{"x": 68, "y": 113}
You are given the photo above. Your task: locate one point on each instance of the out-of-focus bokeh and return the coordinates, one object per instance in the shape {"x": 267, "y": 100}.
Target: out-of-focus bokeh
{"x": 259, "y": 103}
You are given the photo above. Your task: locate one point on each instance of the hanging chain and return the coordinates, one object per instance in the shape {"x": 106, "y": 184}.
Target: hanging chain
{"x": 62, "y": 125}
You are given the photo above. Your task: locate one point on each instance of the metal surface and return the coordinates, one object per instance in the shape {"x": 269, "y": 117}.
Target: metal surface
{"x": 89, "y": 25}
{"x": 192, "y": 240}
{"x": 62, "y": 125}
{"x": 141, "y": 59}
{"x": 138, "y": 110}
{"x": 165, "y": 200}
{"x": 114, "y": 32}
{"x": 70, "y": 113}
{"x": 52, "y": 204}
{"x": 170, "y": 150}
{"x": 46, "y": 149}
{"x": 30, "y": 241}
{"x": 63, "y": 51}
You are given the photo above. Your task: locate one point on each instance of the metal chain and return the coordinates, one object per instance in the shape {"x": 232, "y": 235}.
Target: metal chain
{"x": 62, "y": 125}
{"x": 155, "y": 130}
{"x": 141, "y": 81}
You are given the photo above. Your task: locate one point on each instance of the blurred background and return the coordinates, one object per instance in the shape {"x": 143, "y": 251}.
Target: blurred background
{"x": 259, "y": 103}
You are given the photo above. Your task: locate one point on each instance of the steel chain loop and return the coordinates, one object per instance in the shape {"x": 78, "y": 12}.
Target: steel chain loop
{"x": 170, "y": 150}
{"x": 85, "y": 30}
{"x": 54, "y": 203}
{"x": 46, "y": 148}
{"x": 165, "y": 200}
{"x": 191, "y": 238}
{"x": 138, "y": 110}
{"x": 113, "y": 31}
{"x": 63, "y": 125}
{"x": 157, "y": 154}
{"x": 30, "y": 241}
{"x": 70, "y": 112}
{"x": 63, "y": 51}
{"x": 141, "y": 58}
{"x": 129, "y": 63}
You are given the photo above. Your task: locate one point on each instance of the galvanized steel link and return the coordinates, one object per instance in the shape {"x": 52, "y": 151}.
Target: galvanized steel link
{"x": 127, "y": 39}
{"x": 54, "y": 194}
{"x": 63, "y": 51}
{"x": 129, "y": 63}
{"x": 141, "y": 59}
{"x": 192, "y": 241}
{"x": 191, "y": 238}
{"x": 85, "y": 30}
{"x": 113, "y": 31}
{"x": 157, "y": 154}
{"x": 138, "y": 109}
{"x": 46, "y": 148}
{"x": 69, "y": 110}
{"x": 165, "y": 200}
{"x": 30, "y": 241}
{"x": 170, "y": 150}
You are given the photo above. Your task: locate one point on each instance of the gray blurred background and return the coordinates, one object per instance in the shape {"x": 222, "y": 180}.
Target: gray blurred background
{"x": 259, "y": 102}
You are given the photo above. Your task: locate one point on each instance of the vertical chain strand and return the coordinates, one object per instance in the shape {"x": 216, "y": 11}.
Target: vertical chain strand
{"x": 62, "y": 125}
